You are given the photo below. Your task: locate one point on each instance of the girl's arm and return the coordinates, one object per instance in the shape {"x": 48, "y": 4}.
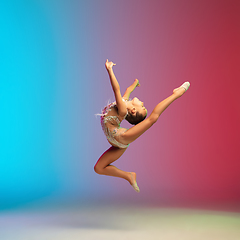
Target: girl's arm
{"x": 122, "y": 110}
{"x": 130, "y": 89}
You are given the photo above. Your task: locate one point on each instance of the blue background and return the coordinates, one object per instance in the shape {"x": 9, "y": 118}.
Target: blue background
{"x": 46, "y": 98}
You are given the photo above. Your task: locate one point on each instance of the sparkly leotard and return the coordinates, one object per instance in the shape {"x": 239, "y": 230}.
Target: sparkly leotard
{"x": 114, "y": 132}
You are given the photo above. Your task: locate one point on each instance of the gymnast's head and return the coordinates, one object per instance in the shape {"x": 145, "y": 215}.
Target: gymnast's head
{"x": 136, "y": 111}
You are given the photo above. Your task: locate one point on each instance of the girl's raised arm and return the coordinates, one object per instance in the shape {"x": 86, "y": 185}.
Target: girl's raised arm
{"x": 122, "y": 110}
{"x": 130, "y": 89}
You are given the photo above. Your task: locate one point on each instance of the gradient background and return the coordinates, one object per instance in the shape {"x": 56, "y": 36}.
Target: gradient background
{"x": 53, "y": 81}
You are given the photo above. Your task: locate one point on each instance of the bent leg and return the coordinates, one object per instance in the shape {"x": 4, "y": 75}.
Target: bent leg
{"x": 103, "y": 164}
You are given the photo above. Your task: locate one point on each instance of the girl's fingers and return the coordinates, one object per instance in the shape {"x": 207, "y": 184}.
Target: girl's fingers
{"x": 110, "y": 63}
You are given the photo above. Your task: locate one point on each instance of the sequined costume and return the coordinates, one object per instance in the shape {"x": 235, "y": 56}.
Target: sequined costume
{"x": 112, "y": 132}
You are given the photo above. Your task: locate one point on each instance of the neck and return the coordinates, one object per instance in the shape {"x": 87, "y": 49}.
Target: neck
{"x": 129, "y": 105}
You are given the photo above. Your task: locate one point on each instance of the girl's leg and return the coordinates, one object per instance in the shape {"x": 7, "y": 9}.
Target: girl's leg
{"x": 103, "y": 164}
{"x": 159, "y": 109}
{"x": 136, "y": 131}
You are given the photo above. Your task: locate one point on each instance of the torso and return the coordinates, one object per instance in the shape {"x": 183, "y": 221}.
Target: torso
{"x": 110, "y": 121}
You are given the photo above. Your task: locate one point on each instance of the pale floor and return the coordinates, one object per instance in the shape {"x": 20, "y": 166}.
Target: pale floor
{"x": 118, "y": 223}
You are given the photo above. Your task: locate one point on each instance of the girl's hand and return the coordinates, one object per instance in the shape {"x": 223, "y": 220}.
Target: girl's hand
{"x": 138, "y": 84}
{"x": 109, "y": 65}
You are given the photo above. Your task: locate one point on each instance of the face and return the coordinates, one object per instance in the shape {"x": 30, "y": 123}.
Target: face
{"x": 139, "y": 106}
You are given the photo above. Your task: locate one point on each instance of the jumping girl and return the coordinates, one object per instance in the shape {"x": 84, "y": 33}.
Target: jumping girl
{"x": 135, "y": 113}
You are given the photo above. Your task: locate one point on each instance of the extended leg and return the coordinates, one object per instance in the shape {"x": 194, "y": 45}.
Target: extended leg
{"x": 177, "y": 92}
{"x": 159, "y": 109}
{"x": 136, "y": 131}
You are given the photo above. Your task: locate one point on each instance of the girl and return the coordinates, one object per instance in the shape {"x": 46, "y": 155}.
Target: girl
{"x": 135, "y": 113}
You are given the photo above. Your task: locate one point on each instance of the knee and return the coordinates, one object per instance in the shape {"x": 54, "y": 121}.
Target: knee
{"x": 153, "y": 119}
{"x": 97, "y": 169}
